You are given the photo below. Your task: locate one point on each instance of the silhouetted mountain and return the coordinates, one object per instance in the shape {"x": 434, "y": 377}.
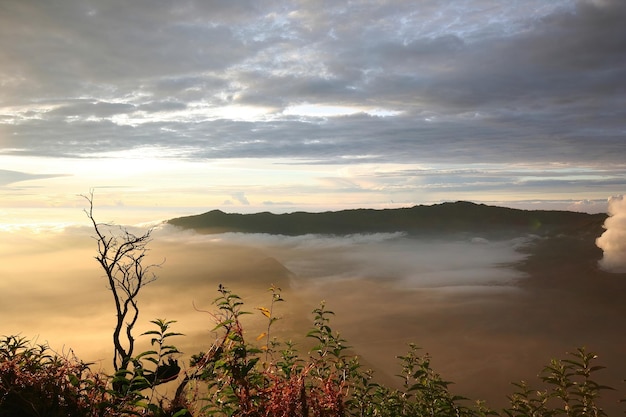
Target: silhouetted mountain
{"x": 458, "y": 217}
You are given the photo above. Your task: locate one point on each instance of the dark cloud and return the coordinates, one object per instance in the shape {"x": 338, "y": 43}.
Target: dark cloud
{"x": 163, "y": 106}
{"x": 88, "y": 108}
{"x": 472, "y": 82}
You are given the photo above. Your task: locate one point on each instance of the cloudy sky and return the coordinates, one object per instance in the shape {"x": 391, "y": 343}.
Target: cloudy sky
{"x": 175, "y": 107}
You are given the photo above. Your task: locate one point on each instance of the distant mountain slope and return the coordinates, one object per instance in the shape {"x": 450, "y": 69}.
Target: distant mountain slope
{"x": 455, "y": 217}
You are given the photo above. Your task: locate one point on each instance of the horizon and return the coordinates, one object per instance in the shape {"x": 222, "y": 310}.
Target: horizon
{"x": 290, "y": 107}
{"x": 51, "y": 218}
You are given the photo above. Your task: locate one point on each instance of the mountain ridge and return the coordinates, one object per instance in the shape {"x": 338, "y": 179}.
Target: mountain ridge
{"x": 449, "y": 217}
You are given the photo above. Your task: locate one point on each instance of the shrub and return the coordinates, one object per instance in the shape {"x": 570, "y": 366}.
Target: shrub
{"x": 34, "y": 381}
{"x": 326, "y": 383}
{"x": 570, "y": 390}
{"x": 237, "y": 378}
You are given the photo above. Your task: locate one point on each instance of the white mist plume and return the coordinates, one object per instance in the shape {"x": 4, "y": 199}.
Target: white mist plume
{"x": 613, "y": 241}
{"x": 409, "y": 263}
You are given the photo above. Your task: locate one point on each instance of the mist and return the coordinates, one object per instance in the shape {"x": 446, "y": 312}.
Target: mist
{"x": 613, "y": 241}
{"x": 392, "y": 258}
{"x": 475, "y": 304}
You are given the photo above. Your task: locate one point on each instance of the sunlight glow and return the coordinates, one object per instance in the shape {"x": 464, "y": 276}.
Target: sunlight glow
{"x": 153, "y": 183}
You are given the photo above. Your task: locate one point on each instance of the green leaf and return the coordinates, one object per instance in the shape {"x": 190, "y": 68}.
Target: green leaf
{"x": 153, "y": 360}
{"x": 122, "y": 373}
{"x": 169, "y": 347}
{"x": 74, "y": 380}
{"x": 222, "y": 324}
{"x": 146, "y": 353}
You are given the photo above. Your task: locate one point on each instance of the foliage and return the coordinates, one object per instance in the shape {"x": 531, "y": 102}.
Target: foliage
{"x": 34, "y": 381}
{"x": 135, "y": 388}
{"x": 327, "y": 382}
{"x": 267, "y": 377}
{"x": 570, "y": 391}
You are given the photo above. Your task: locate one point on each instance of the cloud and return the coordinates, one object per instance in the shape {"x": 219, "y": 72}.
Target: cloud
{"x": 613, "y": 240}
{"x": 388, "y": 257}
{"x": 196, "y": 263}
{"x": 97, "y": 109}
{"x": 241, "y": 198}
{"x": 484, "y": 73}
{"x": 278, "y": 203}
{"x": 479, "y": 82}
{"x": 588, "y": 206}
{"x": 10, "y": 177}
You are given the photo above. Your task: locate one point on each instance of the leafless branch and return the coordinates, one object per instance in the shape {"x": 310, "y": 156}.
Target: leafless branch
{"x": 121, "y": 254}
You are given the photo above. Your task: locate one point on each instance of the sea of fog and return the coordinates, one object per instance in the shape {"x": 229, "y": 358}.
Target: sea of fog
{"x": 395, "y": 259}
{"x": 463, "y": 298}
{"x": 51, "y": 287}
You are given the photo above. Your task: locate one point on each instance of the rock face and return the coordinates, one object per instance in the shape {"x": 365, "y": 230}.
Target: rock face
{"x": 459, "y": 217}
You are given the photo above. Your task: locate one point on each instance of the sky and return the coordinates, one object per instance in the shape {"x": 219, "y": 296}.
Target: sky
{"x": 168, "y": 108}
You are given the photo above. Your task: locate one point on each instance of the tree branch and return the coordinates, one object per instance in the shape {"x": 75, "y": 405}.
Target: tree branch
{"x": 120, "y": 254}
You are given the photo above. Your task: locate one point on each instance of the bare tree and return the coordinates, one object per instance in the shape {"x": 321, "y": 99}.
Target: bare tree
{"x": 121, "y": 255}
